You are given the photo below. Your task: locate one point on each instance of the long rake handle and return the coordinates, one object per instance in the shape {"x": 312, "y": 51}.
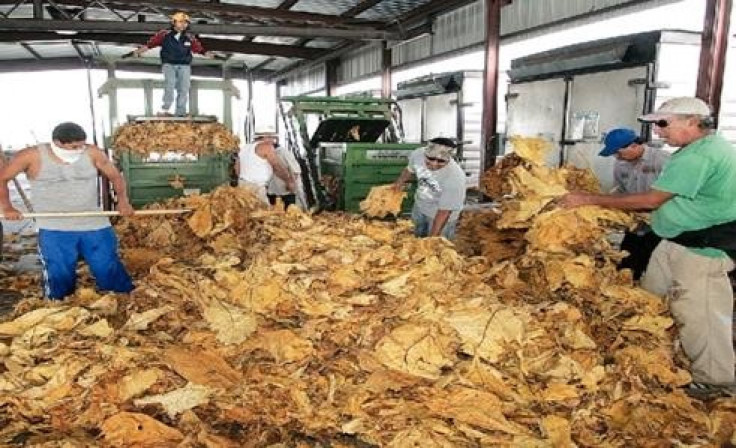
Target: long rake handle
{"x": 92, "y": 214}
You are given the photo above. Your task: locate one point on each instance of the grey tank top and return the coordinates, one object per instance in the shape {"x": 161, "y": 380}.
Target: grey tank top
{"x": 61, "y": 187}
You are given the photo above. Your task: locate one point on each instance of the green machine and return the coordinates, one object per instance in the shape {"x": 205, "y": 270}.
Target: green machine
{"x": 169, "y": 175}
{"x": 336, "y": 140}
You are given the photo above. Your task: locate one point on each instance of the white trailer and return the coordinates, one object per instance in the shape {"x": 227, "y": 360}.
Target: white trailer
{"x": 446, "y": 105}
{"x": 572, "y": 95}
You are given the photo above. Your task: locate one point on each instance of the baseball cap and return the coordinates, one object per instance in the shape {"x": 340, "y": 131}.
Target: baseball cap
{"x": 440, "y": 148}
{"x": 684, "y": 105}
{"x": 266, "y": 131}
{"x": 616, "y": 140}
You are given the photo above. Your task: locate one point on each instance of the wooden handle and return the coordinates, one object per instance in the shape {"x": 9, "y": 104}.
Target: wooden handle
{"x": 99, "y": 214}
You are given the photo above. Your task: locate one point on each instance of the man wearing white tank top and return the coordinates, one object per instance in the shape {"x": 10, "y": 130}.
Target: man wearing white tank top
{"x": 63, "y": 177}
{"x": 258, "y": 162}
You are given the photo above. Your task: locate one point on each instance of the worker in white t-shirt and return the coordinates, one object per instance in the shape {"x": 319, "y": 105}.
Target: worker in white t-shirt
{"x": 258, "y": 163}
{"x": 277, "y": 188}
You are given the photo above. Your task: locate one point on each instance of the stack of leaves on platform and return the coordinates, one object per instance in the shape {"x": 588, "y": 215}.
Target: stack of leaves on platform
{"x": 178, "y": 137}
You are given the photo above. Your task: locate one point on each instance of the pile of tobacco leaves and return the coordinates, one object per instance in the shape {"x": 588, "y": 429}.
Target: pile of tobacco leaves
{"x": 179, "y": 137}
{"x": 252, "y": 327}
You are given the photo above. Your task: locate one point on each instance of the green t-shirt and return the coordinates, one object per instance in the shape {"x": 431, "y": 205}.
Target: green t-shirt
{"x": 702, "y": 176}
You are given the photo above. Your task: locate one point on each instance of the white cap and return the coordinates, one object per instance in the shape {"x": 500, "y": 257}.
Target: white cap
{"x": 266, "y": 131}
{"x": 685, "y": 105}
{"x": 438, "y": 151}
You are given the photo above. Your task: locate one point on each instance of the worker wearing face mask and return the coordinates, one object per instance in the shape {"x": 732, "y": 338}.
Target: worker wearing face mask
{"x": 637, "y": 167}
{"x": 440, "y": 194}
{"x": 177, "y": 46}
{"x": 63, "y": 177}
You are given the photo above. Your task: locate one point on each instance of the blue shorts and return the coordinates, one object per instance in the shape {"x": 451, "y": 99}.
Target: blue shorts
{"x": 60, "y": 251}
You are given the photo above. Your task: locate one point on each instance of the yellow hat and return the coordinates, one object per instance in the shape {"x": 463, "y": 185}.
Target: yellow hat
{"x": 180, "y": 17}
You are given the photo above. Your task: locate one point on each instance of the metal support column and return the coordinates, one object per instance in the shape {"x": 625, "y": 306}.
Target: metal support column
{"x": 386, "y": 71}
{"x": 331, "y": 76}
{"x": 490, "y": 83}
{"x": 227, "y": 99}
{"x": 112, "y": 104}
{"x": 38, "y": 9}
{"x": 250, "y": 120}
{"x": 713, "y": 52}
{"x": 194, "y": 98}
{"x": 148, "y": 96}
{"x": 112, "y": 100}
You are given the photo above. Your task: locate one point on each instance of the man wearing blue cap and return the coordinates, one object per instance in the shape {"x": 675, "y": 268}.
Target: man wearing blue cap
{"x": 637, "y": 167}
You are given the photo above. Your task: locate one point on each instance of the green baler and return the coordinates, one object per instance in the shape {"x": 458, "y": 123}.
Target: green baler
{"x": 343, "y": 156}
{"x": 357, "y": 167}
{"x": 171, "y": 175}
{"x": 153, "y": 181}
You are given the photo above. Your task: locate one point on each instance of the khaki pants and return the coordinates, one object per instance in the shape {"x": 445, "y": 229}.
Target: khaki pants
{"x": 701, "y": 301}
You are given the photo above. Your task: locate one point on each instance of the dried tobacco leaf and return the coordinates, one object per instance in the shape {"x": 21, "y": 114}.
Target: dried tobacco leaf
{"x": 137, "y": 383}
{"x": 179, "y": 400}
{"x": 128, "y": 429}
{"x": 488, "y": 333}
{"x": 383, "y": 200}
{"x": 418, "y": 350}
{"x": 557, "y": 430}
{"x": 203, "y": 368}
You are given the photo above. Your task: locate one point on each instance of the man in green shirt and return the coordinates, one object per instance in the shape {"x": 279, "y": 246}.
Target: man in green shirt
{"x": 695, "y": 191}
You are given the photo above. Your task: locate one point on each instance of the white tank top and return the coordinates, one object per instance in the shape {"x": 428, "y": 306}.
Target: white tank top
{"x": 254, "y": 168}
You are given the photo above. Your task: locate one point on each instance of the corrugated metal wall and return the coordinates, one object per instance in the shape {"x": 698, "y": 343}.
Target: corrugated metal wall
{"x": 358, "y": 64}
{"x": 306, "y": 81}
{"x": 524, "y": 14}
{"x": 460, "y": 28}
{"x": 465, "y": 27}
{"x": 413, "y": 50}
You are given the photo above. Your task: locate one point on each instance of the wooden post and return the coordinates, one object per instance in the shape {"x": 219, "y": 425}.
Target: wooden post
{"x": 386, "y": 86}
{"x": 713, "y": 53}
{"x": 38, "y": 9}
{"x": 331, "y": 67}
{"x": 490, "y": 83}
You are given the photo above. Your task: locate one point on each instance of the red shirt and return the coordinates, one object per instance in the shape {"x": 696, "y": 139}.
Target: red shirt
{"x": 158, "y": 39}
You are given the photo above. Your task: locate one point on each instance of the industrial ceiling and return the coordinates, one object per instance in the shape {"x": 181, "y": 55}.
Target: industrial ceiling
{"x": 267, "y": 36}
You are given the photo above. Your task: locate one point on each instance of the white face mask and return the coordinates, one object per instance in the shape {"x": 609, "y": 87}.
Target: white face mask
{"x": 67, "y": 155}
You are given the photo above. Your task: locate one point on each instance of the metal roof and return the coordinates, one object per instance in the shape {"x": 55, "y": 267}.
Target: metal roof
{"x": 265, "y": 35}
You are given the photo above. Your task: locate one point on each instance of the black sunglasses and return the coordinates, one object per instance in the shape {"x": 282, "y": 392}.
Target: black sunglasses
{"x": 436, "y": 159}
{"x": 661, "y": 123}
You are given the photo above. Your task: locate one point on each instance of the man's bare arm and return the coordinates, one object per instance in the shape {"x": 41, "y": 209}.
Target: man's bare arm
{"x": 403, "y": 178}
{"x": 19, "y": 164}
{"x": 107, "y": 168}
{"x": 269, "y": 152}
{"x": 650, "y": 200}
{"x": 438, "y": 224}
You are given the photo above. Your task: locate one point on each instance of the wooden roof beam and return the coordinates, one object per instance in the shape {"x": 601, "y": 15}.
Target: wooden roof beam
{"x": 222, "y": 29}
{"x": 254, "y": 12}
{"x": 223, "y": 45}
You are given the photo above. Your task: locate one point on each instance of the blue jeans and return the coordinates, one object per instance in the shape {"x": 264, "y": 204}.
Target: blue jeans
{"x": 177, "y": 77}
{"x": 60, "y": 250}
{"x": 423, "y": 225}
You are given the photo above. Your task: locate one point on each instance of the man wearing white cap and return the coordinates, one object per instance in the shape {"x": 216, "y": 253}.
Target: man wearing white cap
{"x": 258, "y": 162}
{"x": 695, "y": 191}
{"x": 440, "y": 194}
